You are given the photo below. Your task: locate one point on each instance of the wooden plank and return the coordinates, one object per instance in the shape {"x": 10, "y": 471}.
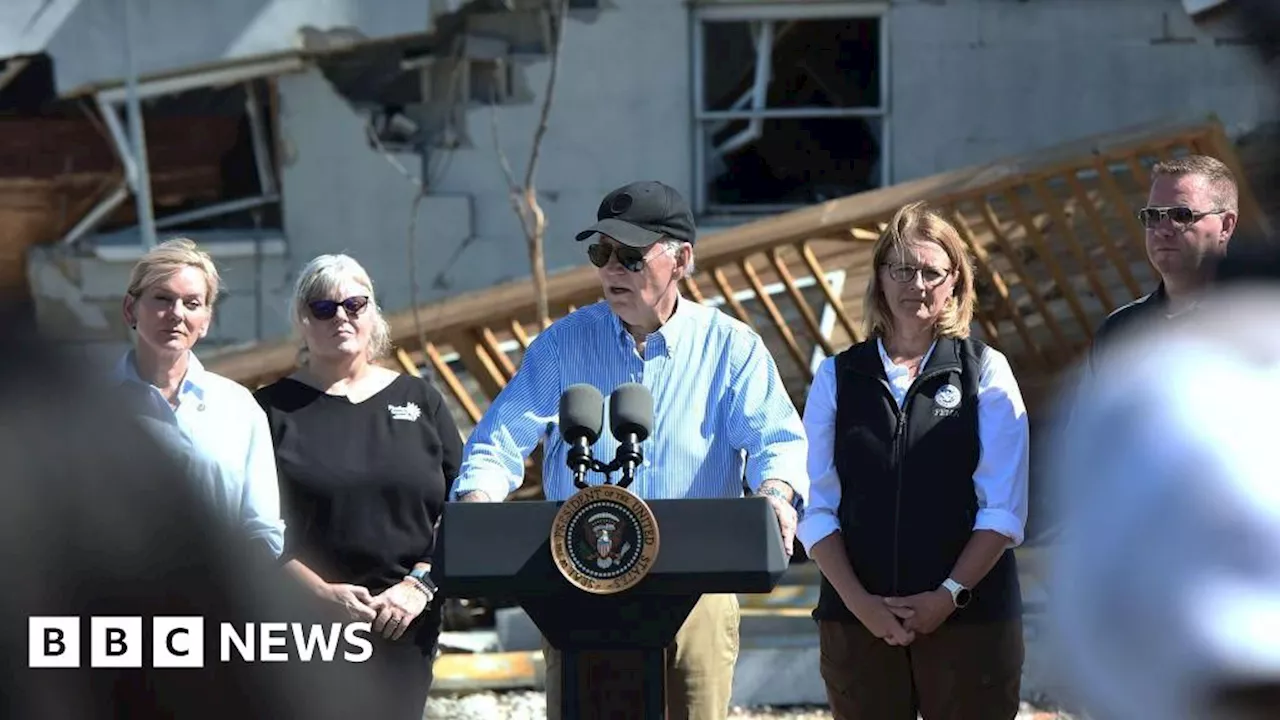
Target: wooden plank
{"x": 984, "y": 263}
{"x": 772, "y": 310}
{"x": 494, "y": 349}
{"x": 989, "y": 327}
{"x": 406, "y": 363}
{"x": 726, "y": 292}
{"x": 1029, "y": 282}
{"x": 451, "y": 381}
{"x": 837, "y": 307}
{"x": 797, "y": 298}
{"x": 1046, "y": 256}
{"x": 1214, "y": 142}
{"x": 475, "y": 358}
{"x": 518, "y": 332}
{"x": 1126, "y": 214}
{"x": 1107, "y": 242}
{"x": 1071, "y": 240}
{"x": 1137, "y": 170}
{"x": 692, "y": 290}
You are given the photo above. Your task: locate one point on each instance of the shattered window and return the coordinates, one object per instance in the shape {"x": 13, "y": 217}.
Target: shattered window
{"x": 791, "y": 111}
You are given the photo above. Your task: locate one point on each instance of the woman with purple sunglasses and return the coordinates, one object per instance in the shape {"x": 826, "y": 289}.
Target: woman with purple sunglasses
{"x": 366, "y": 457}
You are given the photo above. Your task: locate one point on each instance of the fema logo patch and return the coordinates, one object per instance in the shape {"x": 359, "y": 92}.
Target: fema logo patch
{"x": 947, "y": 399}
{"x": 604, "y": 539}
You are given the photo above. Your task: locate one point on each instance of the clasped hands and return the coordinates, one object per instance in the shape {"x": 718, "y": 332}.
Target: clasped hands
{"x": 897, "y": 620}
{"x": 391, "y": 611}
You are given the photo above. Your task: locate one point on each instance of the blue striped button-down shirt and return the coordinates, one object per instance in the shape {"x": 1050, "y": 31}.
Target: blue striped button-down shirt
{"x": 720, "y": 410}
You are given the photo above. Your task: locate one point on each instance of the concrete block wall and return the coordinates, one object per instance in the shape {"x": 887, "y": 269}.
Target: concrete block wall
{"x": 79, "y": 297}
{"x": 977, "y": 80}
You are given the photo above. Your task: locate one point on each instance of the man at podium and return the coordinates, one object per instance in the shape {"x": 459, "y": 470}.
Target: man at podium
{"x": 721, "y": 414}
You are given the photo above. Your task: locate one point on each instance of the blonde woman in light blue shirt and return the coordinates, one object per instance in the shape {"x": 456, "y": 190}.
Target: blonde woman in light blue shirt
{"x": 212, "y": 422}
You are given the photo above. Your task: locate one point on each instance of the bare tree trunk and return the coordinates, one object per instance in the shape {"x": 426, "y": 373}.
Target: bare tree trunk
{"x": 537, "y": 266}
{"x": 524, "y": 197}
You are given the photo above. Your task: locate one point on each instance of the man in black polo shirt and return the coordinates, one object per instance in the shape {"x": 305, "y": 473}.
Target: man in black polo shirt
{"x": 1191, "y": 213}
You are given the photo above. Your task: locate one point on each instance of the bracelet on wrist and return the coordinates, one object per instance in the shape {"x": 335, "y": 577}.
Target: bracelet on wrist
{"x": 420, "y": 586}
{"x": 775, "y": 491}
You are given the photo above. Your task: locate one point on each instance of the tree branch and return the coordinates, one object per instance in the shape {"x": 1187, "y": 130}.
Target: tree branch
{"x": 514, "y": 192}
{"x": 524, "y": 197}
{"x": 559, "y": 10}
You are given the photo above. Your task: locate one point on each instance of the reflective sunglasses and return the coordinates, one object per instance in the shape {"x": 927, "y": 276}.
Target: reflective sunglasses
{"x": 628, "y": 257}
{"x": 326, "y": 309}
{"x": 907, "y": 273}
{"x": 1150, "y": 217}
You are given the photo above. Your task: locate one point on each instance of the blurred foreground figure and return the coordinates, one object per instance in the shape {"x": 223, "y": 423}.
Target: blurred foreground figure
{"x": 1165, "y": 594}
{"x": 95, "y": 519}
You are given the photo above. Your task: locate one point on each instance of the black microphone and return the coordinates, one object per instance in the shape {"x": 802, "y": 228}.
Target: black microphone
{"x": 630, "y": 419}
{"x": 581, "y": 418}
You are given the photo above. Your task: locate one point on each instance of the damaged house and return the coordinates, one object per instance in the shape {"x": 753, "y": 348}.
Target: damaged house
{"x": 271, "y": 131}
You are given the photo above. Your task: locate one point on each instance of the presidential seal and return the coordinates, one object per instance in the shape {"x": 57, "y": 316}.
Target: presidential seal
{"x": 604, "y": 539}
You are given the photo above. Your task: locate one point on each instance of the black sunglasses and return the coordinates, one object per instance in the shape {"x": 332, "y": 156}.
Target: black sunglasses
{"x": 326, "y": 309}
{"x": 1150, "y": 217}
{"x": 628, "y": 257}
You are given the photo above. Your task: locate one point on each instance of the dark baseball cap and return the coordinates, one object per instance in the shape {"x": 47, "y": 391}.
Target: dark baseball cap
{"x": 641, "y": 213}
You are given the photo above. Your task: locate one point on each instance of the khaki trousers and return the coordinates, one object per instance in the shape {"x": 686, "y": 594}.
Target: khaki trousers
{"x": 957, "y": 672}
{"x": 699, "y": 663}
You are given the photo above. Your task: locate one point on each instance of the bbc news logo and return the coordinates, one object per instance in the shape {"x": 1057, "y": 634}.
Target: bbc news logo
{"x": 179, "y": 642}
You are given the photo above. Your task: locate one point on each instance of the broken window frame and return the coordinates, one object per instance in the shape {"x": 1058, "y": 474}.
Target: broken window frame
{"x": 111, "y": 104}
{"x": 775, "y": 13}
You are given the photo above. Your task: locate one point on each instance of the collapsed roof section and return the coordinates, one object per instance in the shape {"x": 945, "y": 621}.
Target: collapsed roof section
{"x": 208, "y": 109}
{"x": 85, "y": 39}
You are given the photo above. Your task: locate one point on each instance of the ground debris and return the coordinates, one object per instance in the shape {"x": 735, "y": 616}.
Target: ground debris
{"x": 525, "y": 705}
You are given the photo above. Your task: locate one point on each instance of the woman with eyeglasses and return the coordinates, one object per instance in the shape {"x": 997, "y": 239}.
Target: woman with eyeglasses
{"x": 366, "y": 457}
{"x": 210, "y": 422}
{"x": 918, "y": 457}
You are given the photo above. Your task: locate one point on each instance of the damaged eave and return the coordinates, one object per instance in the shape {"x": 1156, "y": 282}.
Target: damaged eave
{"x": 241, "y": 70}
{"x": 191, "y": 78}
{"x": 1196, "y": 8}
{"x": 343, "y": 53}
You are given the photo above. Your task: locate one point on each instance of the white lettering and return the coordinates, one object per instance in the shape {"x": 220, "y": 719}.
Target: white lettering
{"x": 327, "y": 642}
{"x": 270, "y": 635}
{"x": 243, "y": 643}
{"x": 353, "y": 638}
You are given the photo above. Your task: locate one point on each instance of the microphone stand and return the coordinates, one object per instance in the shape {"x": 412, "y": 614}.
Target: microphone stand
{"x": 581, "y": 461}
{"x": 628, "y": 458}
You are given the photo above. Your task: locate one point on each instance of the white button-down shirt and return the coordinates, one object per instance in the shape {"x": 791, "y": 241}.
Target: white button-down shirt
{"x": 1000, "y": 480}
{"x": 222, "y": 433}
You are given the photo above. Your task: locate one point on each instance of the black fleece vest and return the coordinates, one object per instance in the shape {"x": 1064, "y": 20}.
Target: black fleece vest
{"x": 908, "y": 503}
